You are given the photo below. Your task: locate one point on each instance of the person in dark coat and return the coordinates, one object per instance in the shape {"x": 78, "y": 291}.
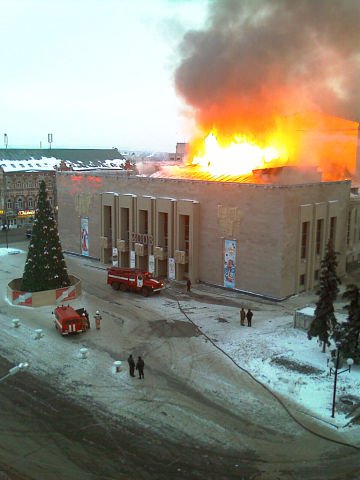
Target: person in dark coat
{"x": 249, "y": 316}
{"x": 242, "y": 317}
{"x": 188, "y": 285}
{"x": 131, "y": 363}
{"x": 140, "y": 364}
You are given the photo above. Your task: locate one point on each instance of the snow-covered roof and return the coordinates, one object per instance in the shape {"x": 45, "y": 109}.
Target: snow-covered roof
{"x": 31, "y": 160}
{"x": 31, "y": 165}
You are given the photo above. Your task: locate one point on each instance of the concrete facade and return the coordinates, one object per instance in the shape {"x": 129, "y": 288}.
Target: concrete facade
{"x": 280, "y": 231}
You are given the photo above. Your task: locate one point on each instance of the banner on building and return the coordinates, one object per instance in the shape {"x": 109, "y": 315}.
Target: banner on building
{"x": 115, "y": 257}
{"x": 171, "y": 268}
{"x": 229, "y": 263}
{"x": 84, "y": 221}
{"x": 151, "y": 263}
{"x": 132, "y": 258}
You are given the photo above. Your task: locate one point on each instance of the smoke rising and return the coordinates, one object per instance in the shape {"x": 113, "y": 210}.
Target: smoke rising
{"x": 260, "y": 59}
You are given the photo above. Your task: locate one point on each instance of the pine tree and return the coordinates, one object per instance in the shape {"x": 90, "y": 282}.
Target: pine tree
{"x": 45, "y": 267}
{"x": 348, "y": 333}
{"x": 325, "y": 322}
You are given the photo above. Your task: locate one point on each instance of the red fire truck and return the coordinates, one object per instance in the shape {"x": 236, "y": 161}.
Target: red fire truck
{"x": 133, "y": 279}
{"x": 68, "y": 320}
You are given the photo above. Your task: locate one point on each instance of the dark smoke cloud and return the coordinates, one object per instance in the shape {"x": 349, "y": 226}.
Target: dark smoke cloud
{"x": 277, "y": 57}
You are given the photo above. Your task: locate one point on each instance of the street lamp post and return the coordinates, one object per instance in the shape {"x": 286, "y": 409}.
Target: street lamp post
{"x": 14, "y": 370}
{"x": 334, "y": 368}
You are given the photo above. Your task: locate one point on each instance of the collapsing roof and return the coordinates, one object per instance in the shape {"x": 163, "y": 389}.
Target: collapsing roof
{"x": 278, "y": 175}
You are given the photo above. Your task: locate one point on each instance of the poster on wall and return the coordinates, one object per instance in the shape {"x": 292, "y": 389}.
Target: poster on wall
{"x": 229, "y": 263}
{"x": 151, "y": 263}
{"x": 115, "y": 257}
{"x": 84, "y": 225}
{"x": 171, "y": 268}
{"x": 132, "y": 258}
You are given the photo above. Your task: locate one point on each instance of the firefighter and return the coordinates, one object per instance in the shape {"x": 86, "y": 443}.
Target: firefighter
{"x": 98, "y": 319}
{"x": 242, "y": 317}
{"x": 84, "y": 321}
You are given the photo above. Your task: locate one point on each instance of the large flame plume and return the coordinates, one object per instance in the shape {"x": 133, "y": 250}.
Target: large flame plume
{"x": 270, "y": 83}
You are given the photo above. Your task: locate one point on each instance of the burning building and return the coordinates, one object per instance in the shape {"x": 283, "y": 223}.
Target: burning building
{"x": 263, "y": 238}
{"x": 272, "y": 166}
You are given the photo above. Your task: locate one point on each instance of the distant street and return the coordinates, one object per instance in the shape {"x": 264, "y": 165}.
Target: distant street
{"x": 46, "y": 435}
{"x": 12, "y": 236}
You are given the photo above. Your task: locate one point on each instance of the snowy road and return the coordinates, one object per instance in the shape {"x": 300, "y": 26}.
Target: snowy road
{"x": 196, "y": 414}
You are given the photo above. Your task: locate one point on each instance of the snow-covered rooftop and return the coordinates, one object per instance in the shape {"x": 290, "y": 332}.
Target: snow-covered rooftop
{"x": 17, "y": 160}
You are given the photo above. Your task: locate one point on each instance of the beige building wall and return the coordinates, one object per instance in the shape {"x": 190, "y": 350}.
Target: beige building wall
{"x": 264, "y": 220}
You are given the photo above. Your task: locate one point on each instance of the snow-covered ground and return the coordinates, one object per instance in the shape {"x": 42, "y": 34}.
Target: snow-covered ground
{"x": 272, "y": 350}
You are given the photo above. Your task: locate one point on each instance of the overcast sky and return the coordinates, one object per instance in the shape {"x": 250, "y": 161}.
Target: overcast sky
{"x": 95, "y": 73}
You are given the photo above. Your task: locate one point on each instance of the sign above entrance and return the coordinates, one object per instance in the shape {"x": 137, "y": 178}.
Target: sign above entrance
{"x": 144, "y": 238}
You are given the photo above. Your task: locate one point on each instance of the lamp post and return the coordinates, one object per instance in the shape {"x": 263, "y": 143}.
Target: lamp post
{"x": 334, "y": 368}
{"x": 14, "y": 370}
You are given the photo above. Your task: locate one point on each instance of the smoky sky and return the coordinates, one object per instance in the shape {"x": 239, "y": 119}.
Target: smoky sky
{"x": 260, "y": 58}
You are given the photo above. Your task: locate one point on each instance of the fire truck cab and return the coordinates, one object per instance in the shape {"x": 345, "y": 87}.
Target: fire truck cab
{"x": 133, "y": 279}
{"x": 69, "y": 321}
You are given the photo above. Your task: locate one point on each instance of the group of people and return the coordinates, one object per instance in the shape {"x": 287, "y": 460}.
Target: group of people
{"x": 139, "y": 366}
{"x": 246, "y": 315}
{"x": 86, "y": 319}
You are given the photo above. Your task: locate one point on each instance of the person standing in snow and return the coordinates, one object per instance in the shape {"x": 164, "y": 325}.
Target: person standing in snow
{"x": 188, "y": 285}
{"x": 140, "y": 364}
{"x": 131, "y": 363}
{"x": 242, "y": 317}
{"x": 249, "y": 316}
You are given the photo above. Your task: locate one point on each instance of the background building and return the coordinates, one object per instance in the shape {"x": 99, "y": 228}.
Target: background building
{"x": 21, "y": 171}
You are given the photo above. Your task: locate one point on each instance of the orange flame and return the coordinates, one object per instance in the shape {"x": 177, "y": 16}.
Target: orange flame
{"x": 311, "y": 140}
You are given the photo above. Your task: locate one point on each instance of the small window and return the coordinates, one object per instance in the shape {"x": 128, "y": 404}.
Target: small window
{"x": 302, "y": 280}
{"x": 316, "y": 275}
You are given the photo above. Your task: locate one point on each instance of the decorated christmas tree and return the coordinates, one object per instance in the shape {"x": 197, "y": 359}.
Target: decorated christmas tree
{"x": 45, "y": 267}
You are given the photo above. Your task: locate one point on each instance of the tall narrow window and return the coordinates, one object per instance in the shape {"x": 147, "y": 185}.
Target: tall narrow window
{"x": 348, "y": 230}
{"x": 143, "y": 221}
{"x": 187, "y": 234}
{"x": 319, "y": 236}
{"x": 304, "y": 239}
{"x": 332, "y": 235}
{"x": 355, "y": 224}
{"x": 166, "y": 232}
